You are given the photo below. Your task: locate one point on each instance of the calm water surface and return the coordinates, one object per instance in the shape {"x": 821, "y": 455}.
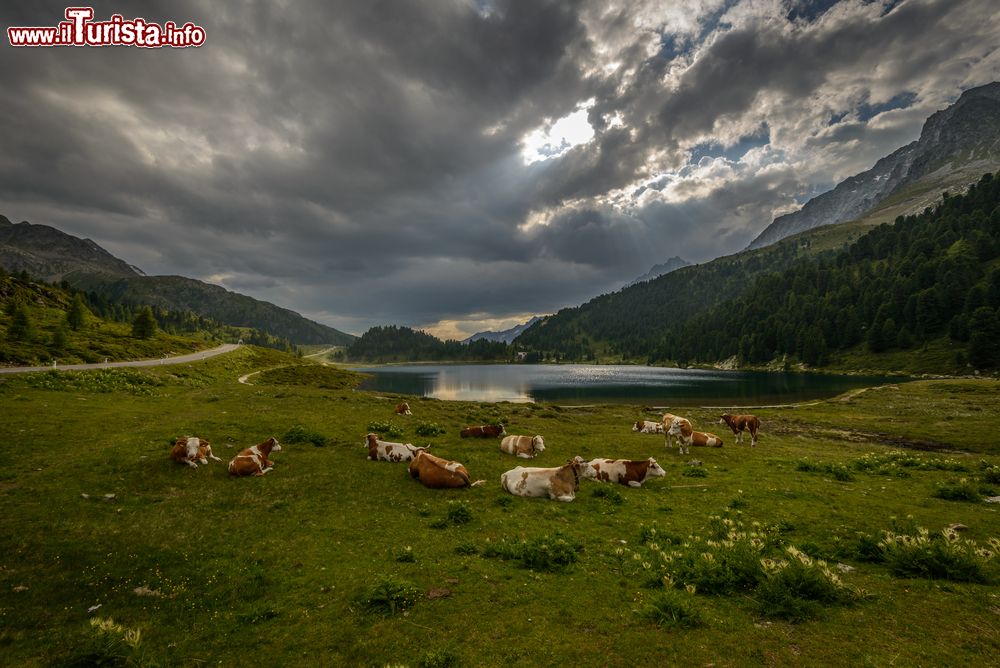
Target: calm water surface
{"x": 578, "y": 383}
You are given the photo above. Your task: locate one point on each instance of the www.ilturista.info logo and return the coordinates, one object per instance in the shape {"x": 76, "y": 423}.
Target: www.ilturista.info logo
{"x": 80, "y": 30}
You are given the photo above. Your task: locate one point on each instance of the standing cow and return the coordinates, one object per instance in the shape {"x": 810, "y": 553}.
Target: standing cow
{"x": 741, "y": 423}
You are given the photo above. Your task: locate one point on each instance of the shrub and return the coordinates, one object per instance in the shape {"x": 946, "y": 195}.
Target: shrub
{"x": 991, "y": 475}
{"x": 609, "y": 493}
{"x": 943, "y": 557}
{"x": 796, "y": 588}
{"x": 694, "y": 472}
{"x": 960, "y": 490}
{"x": 442, "y": 658}
{"x": 429, "y": 429}
{"x": 299, "y": 434}
{"x": 673, "y": 609}
{"x": 386, "y": 428}
{"x": 459, "y": 513}
{"x": 112, "y": 644}
{"x": 837, "y": 471}
{"x": 541, "y": 554}
{"x": 388, "y": 595}
{"x": 405, "y": 556}
{"x": 466, "y": 549}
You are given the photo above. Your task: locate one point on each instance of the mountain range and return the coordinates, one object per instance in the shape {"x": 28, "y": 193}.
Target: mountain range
{"x": 50, "y": 254}
{"x": 505, "y": 336}
{"x": 658, "y": 270}
{"x": 956, "y": 146}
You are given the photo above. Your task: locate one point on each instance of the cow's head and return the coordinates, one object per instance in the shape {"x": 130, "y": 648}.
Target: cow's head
{"x": 675, "y": 427}
{"x": 726, "y": 417}
{"x": 503, "y": 430}
{"x": 654, "y": 468}
{"x": 582, "y": 467}
{"x": 637, "y": 426}
{"x": 538, "y": 444}
{"x": 273, "y": 442}
{"x": 371, "y": 440}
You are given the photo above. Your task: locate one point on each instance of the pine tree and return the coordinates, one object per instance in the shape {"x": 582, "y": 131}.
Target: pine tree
{"x": 21, "y": 327}
{"x": 59, "y": 338}
{"x": 984, "y": 338}
{"x": 76, "y": 316}
{"x": 144, "y": 326}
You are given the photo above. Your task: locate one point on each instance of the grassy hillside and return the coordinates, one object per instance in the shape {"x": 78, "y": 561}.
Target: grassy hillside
{"x": 212, "y": 301}
{"x": 95, "y": 340}
{"x": 112, "y": 550}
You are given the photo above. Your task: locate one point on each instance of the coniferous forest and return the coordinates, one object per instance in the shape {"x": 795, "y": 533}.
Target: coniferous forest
{"x": 931, "y": 276}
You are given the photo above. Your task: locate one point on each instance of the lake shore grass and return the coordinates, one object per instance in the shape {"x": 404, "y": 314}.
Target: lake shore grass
{"x": 299, "y": 567}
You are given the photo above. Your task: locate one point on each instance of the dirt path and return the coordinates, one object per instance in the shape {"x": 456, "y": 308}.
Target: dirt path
{"x": 179, "y": 359}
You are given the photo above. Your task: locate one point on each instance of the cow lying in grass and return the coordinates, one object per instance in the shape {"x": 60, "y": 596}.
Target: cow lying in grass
{"x": 525, "y": 447}
{"x": 741, "y": 423}
{"x": 191, "y": 449}
{"x": 560, "y": 483}
{"x": 256, "y": 460}
{"x": 687, "y": 436}
{"x": 387, "y": 451}
{"x": 624, "y": 471}
{"x": 438, "y": 473}
{"x": 484, "y": 431}
{"x": 403, "y": 409}
{"x": 648, "y": 427}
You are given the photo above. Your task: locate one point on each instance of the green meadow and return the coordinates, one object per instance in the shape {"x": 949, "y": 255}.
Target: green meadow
{"x": 806, "y": 550}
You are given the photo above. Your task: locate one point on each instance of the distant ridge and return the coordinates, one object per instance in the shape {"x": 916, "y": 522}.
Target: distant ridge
{"x": 505, "y": 336}
{"x": 50, "y": 254}
{"x": 956, "y": 146}
{"x": 658, "y": 270}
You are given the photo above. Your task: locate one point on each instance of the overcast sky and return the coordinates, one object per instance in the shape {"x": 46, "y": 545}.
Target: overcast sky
{"x": 463, "y": 164}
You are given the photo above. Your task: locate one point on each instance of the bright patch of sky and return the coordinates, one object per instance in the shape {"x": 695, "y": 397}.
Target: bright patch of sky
{"x": 555, "y": 139}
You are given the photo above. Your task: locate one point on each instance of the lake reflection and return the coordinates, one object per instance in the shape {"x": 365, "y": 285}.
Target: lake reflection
{"x": 578, "y": 383}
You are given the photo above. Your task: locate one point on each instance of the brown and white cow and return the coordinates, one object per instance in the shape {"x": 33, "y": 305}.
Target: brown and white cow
{"x": 741, "y": 423}
{"x": 687, "y": 436}
{"x": 484, "y": 431}
{"x": 387, "y": 451}
{"x": 668, "y": 419}
{"x": 403, "y": 409}
{"x": 191, "y": 449}
{"x": 648, "y": 427}
{"x": 438, "y": 473}
{"x": 255, "y": 460}
{"x": 560, "y": 483}
{"x": 525, "y": 447}
{"x": 629, "y": 472}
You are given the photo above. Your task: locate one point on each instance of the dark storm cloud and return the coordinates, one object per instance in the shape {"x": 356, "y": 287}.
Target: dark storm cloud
{"x": 361, "y": 162}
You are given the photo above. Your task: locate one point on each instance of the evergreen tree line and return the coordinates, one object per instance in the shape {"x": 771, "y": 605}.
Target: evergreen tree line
{"x": 633, "y": 321}
{"x": 403, "y": 344}
{"x": 924, "y": 277}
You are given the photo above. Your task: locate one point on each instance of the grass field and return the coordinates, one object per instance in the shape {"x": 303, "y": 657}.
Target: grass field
{"x": 191, "y": 567}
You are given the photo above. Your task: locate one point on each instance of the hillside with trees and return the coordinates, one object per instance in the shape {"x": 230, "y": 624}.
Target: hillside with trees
{"x": 42, "y": 322}
{"x": 928, "y": 282}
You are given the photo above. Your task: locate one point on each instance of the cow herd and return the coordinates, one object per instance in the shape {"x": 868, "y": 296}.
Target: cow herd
{"x": 254, "y": 460}
{"x": 560, "y": 483}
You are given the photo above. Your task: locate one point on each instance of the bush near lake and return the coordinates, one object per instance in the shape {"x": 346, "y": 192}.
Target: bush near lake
{"x": 385, "y": 428}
